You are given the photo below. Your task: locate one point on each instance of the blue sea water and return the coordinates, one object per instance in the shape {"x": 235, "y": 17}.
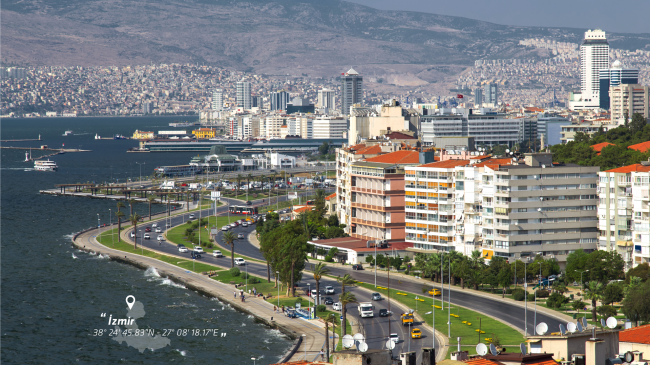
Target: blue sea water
{"x": 53, "y": 295}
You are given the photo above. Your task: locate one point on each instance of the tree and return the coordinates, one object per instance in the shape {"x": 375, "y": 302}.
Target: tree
{"x": 333, "y": 220}
{"x": 132, "y": 202}
{"x": 150, "y": 199}
{"x": 641, "y": 271}
{"x": 577, "y": 305}
{"x": 345, "y": 280}
{"x": 606, "y": 311}
{"x": 637, "y": 123}
{"x": 239, "y": 178}
{"x": 324, "y": 148}
{"x": 135, "y": 218}
{"x": 613, "y": 293}
{"x": 119, "y": 216}
{"x": 556, "y": 300}
{"x": 319, "y": 270}
{"x": 370, "y": 260}
{"x": 594, "y": 293}
{"x": 505, "y": 278}
{"x": 345, "y": 299}
{"x": 331, "y": 318}
{"x": 228, "y": 238}
{"x": 635, "y": 304}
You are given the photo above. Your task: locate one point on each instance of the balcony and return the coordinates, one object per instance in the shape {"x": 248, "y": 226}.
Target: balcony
{"x": 377, "y": 191}
{"x": 376, "y": 224}
{"x": 378, "y": 208}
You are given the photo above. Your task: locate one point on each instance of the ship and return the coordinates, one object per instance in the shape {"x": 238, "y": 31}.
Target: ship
{"x": 45, "y": 165}
{"x": 184, "y": 124}
{"x": 67, "y": 133}
{"x": 119, "y": 136}
{"x": 97, "y": 136}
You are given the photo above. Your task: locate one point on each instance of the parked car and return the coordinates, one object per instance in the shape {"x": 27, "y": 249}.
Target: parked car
{"x": 147, "y": 236}
{"x": 383, "y": 313}
{"x": 225, "y": 228}
{"x": 357, "y": 267}
{"x": 182, "y": 248}
{"x": 192, "y": 216}
{"x": 240, "y": 261}
{"x": 376, "y": 296}
{"x": 328, "y": 300}
{"x": 161, "y": 238}
{"x": 337, "y": 306}
{"x": 329, "y": 289}
{"x": 240, "y": 236}
{"x": 216, "y": 253}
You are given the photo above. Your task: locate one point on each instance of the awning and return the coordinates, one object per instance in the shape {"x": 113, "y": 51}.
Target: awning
{"x": 624, "y": 243}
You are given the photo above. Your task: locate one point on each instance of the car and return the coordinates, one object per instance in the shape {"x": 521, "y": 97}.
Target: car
{"x": 357, "y": 267}
{"x": 384, "y": 313}
{"x": 416, "y": 333}
{"x": 158, "y": 230}
{"x": 191, "y": 216}
{"x": 435, "y": 292}
{"x": 376, "y": 296}
{"x": 154, "y": 225}
{"x": 168, "y": 225}
{"x": 132, "y": 234}
{"x": 328, "y": 300}
{"x": 147, "y": 236}
{"x": 239, "y": 261}
{"x": 329, "y": 289}
{"x": 199, "y": 249}
{"x": 161, "y": 238}
{"x": 240, "y": 236}
{"x": 182, "y": 248}
{"x": 314, "y": 292}
{"x": 248, "y": 202}
{"x": 196, "y": 254}
{"x": 337, "y": 306}
{"x": 225, "y": 228}
{"x": 394, "y": 337}
{"x": 148, "y": 229}
{"x": 245, "y": 224}
{"x": 216, "y": 253}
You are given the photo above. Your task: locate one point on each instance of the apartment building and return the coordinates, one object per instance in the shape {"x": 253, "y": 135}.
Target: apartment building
{"x": 641, "y": 209}
{"x": 272, "y": 126}
{"x": 204, "y": 133}
{"x": 369, "y": 122}
{"x": 628, "y": 99}
{"x": 330, "y": 127}
{"x": 513, "y": 209}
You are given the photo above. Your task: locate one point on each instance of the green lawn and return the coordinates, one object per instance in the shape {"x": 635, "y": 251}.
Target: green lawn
{"x": 263, "y": 286}
{"x": 284, "y": 204}
{"x": 507, "y": 335}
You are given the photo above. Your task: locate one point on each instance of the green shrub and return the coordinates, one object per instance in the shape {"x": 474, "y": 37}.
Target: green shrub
{"x": 321, "y": 308}
{"x": 244, "y": 275}
{"x": 543, "y": 293}
{"x": 329, "y": 258}
{"x": 235, "y": 271}
{"x": 556, "y": 300}
{"x": 518, "y": 295}
{"x": 210, "y": 245}
{"x": 606, "y": 311}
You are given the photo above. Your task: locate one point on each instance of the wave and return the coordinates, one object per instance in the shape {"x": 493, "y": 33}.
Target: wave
{"x": 74, "y": 257}
{"x": 103, "y": 257}
{"x": 69, "y": 236}
{"x": 92, "y": 253}
{"x": 182, "y": 352}
{"x": 171, "y": 283}
{"x": 151, "y": 271}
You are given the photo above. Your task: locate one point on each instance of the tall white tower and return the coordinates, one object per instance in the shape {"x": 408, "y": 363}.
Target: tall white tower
{"x": 326, "y": 98}
{"x": 217, "y": 100}
{"x": 244, "y": 95}
{"x": 594, "y": 56}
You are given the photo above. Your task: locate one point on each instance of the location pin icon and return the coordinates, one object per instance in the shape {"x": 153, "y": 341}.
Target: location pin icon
{"x": 130, "y": 300}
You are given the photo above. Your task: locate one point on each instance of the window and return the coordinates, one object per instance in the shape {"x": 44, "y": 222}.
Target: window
{"x": 522, "y": 210}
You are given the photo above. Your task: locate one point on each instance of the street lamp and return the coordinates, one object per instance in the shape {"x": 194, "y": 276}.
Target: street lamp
{"x": 449, "y": 302}
{"x": 140, "y": 164}
{"x": 99, "y": 226}
{"x": 540, "y": 282}
{"x": 526, "y": 297}
{"x": 277, "y": 284}
{"x": 110, "y": 220}
{"x": 442, "y": 281}
{"x": 252, "y": 358}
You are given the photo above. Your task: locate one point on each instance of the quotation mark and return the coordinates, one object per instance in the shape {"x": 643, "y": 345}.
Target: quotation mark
{"x": 223, "y": 334}
{"x": 103, "y": 315}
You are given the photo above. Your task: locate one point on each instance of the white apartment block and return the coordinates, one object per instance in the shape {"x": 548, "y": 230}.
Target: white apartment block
{"x": 330, "y": 127}
{"x": 326, "y": 98}
{"x": 273, "y": 125}
{"x": 490, "y": 130}
{"x": 594, "y": 56}
{"x": 513, "y": 209}
{"x": 627, "y": 99}
{"x": 217, "y": 100}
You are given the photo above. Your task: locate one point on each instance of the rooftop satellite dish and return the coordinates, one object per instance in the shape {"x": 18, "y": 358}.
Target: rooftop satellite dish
{"x": 348, "y": 341}
{"x": 580, "y": 328}
{"x": 541, "y": 328}
{"x": 629, "y": 356}
{"x": 562, "y": 329}
{"x": 522, "y": 348}
{"x": 363, "y": 347}
{"x": 539, "y": 209}
{"x": 602, "y": 323}
{"x": 543, "y": 166}
{"x": 571, "y": 327}
{"x": 493, "y": 350}
{"x": 390, "y": 344}
{"x": 584, "y": 322}
{"x": 481, "y": 349}
{"x": 358, "y": 337}
{"x": 507, "y": 150}
{"x": 611, "y": 323}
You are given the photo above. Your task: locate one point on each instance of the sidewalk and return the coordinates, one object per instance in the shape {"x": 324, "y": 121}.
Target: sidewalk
{"x": 262, "y": 310}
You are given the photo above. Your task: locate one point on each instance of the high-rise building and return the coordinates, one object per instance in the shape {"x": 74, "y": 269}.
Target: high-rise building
{"x": 351, "y": 90}
{"x": 594, "y": 56}
{"x": 614, "y": 76}
{"x": 330, "y": 127}
{"x": 217, "y": 100}
{"x": 244, "y": 95}
{"x": 491, "y": 96}
{"x": 257, "y": 102}
{"x": 628, "y": 99}
{"x": 279, "y": 100}
{"x": 478, "y": 97}
{"x": 147, "y": 106}
{"x": 326, "y": 98}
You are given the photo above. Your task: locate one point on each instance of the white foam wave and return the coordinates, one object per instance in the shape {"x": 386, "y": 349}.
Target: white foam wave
{"x": 91, "y": 253}
{"x": 74, "y": 257}
{"x": 69, "y": 236}
{"x": 151, "y": 271}
{"x": 171, "y": 283}
{"x": 102, "y": 257}
{"x": 182, "y": 352}
{"x": 251, "y": 316}
{"x": 243, "y": 324}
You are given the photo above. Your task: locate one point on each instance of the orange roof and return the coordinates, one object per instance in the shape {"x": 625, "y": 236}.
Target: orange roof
{"x": 494, "y": 162}
{"x": 599, "y": 147}
{"x": 641, "y": 147}
{"x": 369, "y": 150}
{"x": 639, "y": 334}
{"x": 397, "y": 157}
{"x": 631, "y": 168}
{"x": 303, "y": 209}
{"x": 534, "y": 109}
{"x": 479, "y": 157}
{"x": 479, "y": 361}
{"x": 449, "y": 164}
{"x": 399, "y": 135}
{"x": 332, "y": 196}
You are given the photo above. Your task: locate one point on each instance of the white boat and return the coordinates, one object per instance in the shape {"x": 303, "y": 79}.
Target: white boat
{"x": 67, "y": 133}
{"x": 97, "y": 136}
{"x": 45, "y": 165}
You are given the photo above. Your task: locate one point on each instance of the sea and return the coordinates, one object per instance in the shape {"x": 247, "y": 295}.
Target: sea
{"x": 54, "y": 297}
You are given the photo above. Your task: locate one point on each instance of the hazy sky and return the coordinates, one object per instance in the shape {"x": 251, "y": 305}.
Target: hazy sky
{"x": 610, "y": 15}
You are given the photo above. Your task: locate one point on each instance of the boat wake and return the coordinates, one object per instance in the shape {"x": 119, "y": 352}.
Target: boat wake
{"x": 74, "y": 257}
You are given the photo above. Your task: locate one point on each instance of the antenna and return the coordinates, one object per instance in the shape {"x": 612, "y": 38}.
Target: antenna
{"x": 541, "y": 328}
{"x": 522, "y": 348}
{"x": 571, "y": 327}
{"x": 562, "y": 329}
{"x": 348, "y": 341}
{"x": 580, "y": 328}
{"x": 389, "y": 344}
{"x": 584, "y": 322}
{"x": 602, "y": 323}
{"x": 481, "y": 349}
{"x": 611, "y": 322}
{"x": 363, "y": 347}
{"x": 493, "y": 350}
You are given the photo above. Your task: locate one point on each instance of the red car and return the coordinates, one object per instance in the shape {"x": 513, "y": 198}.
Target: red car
{"x": 148, "y": 229}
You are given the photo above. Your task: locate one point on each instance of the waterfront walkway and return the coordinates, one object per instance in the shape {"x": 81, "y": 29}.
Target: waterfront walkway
{"x": 313, "y": 342}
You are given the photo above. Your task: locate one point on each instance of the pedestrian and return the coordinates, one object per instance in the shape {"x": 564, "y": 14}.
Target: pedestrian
{"x": 275, "y": 309}
{"x": 235, "y": 292}
{"x": 282, "y": 309}
{"x": 322, "y": 355}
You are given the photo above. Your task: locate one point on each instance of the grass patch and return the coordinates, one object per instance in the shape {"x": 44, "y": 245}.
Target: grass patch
{"x": 263, "y": 286}
{"x": 491, "y": 327}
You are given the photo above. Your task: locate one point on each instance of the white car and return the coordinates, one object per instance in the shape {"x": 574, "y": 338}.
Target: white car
{"x": 337, "y": 306}
{"x": 394, "y": 337}
{"x": 191, "y": 216}
{"x": 154, "y": 225}
{"x": 161, "y": 238}
{"x": 132, "y": 234}
{"x": 240, "y": 236}
{"x": 240, "y": 261}
{"x": 158, "y": 230}
{"x": 225, "y": 228}
{"x": 147, "y": 236}
{"x": 329, "y": 289}
{"x": 233, "y": 225}
{"x": 217, "y": 253}
{"x": 182, "y": 249}
{"x": 244, "y": 224}
{"x": 199, "y": 249}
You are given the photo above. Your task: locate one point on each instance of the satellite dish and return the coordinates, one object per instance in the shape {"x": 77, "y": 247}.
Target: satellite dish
{"x": 584, "y": 322}
{"x": 390, "y": 344}
{"x": 363, "y": 347}
{"x": 358, "y": 337}
{"x": 543, "y": 166}
{"x": 580, "y": 328}
{"x": 348, "y": 341}
{"x": 562, "y": 329}
{"x": 539, "y": 209}
{"x": 571, "y": 327}
{"x": 481, "y": 349}
{"x": 629, "y": 356}
{"x": 611, "y": 323}
{"x": 522, "y": 348}
{"x": 602, "y": 323}
{"x": 507, "y": 150}
{"x": 541, "y": 328}
{"x": 493, "y": 349}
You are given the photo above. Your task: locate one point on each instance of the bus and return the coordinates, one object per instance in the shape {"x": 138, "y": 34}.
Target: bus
{"x": 242, "y": 209}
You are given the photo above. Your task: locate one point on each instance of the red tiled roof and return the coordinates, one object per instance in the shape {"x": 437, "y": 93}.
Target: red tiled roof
{"x": 303, "y": 209}
{"x": 480, "y": 157}
{"x": 449, "y": 164}
{"x": 599, "y": 146}
{"x": 631, "y": 168}
{"x": 639, "y": 334}
{"x": 494, "y": 162}
{"x": 397, "y": 157}
{"x": 399, "y": 135}
{"x": 479, "y": 361}
{"x": 332, "y": 196}
{"x": 369, "y": 150}
{"x": 641, "y": 147}
{"x": 534, "y": 109}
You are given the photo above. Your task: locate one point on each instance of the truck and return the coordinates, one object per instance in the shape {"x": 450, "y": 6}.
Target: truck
{"x": 366, "y": 309}
{"x": 195, "y": 186}
{"x": 407, "y": 319}
{"x": 168, "y": 185}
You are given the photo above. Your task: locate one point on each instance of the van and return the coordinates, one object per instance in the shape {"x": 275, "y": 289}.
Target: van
{"x": 240, "y": 261}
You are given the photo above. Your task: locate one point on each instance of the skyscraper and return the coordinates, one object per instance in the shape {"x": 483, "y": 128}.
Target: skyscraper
{"x": 326, "y": 98}
{"x": 279, "y": 100}
{"x": 244, "y": 94}
{"x": 491, "y": 96}
{"x": 614, "y": 76}
{"x": 217, "y": 99}
{"x": 478, "y": 97}
{"x": 351, "y": 90}
{"x": 594, "y": 56}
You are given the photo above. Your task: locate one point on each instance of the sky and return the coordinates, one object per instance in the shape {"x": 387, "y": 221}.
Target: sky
{"x": 621, "y": 16}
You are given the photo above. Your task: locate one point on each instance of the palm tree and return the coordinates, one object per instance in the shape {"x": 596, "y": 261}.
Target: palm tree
{"x": 331, "y": 318}
{"x": 594, "y": 293}
{"x": 319, "y": 270}
{"x": 134, "y": 218}
{"x": 120, "y": 205}
{"x": 229, "y": 238}
{"x": 151, "y": 199}
{"x": 248, "y": 178}
{"x": 239, "y": 178}
{"x": 345, "y": 299}
{"x": 345, "y": 280}
{"x": 131, "y": 204}
{"x": 119, "y": 216}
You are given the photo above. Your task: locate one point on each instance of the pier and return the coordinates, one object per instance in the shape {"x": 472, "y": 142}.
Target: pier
{"x": 58, "y": 151}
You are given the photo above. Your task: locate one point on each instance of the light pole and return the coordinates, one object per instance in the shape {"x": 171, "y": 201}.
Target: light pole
{"x": 540, "y": 282}
{"x": 449, "y": 302}
{"x": 375, "y": 263}
{"x": 140, "y": 164}
{"x": 247, "y": 277}
{"x": 442, "y": 281}
{"x": 410, "y": 336}
{"x": 277, "y": 284}
{"x": 309, "y": 291}
{"x": 526, "y": 298}
{"x": 110, "y": 220}
{"x": 582, "y": 285}
{"x": 252, "y": 358}
{"x": 99, "y": 226}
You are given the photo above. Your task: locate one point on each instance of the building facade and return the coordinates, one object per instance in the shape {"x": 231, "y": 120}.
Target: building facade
{"x": 491, "y": 94}
{"x": 326, "y": 99}
{"x": 478, "y": 97}
{"x": 628, "y": 99}
{"x": 614, "y": 76}
{"x": 278, "y": 100}
{"x": 330, "y": 127}
{"x": 594, "y": 56}
{"x": 351, "y": 90}
{"x": 244, "y": 95}
{"x": 217, "y": 100}
{"x": 138, "y": 134}
{"x": 490, "y": 129}
{"x": 204, "y": 133}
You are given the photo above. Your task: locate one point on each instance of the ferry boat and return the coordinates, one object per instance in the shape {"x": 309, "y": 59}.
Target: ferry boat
{"x": 97, "y": 136}
{"x": 45, "y": 165}
{"x": 67, "y": 133}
